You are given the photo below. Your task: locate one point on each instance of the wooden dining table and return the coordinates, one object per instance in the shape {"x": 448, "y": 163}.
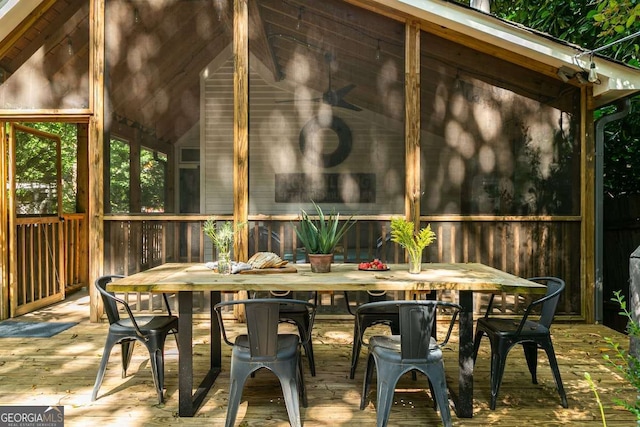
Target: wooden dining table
{"x": 186, "y": 278}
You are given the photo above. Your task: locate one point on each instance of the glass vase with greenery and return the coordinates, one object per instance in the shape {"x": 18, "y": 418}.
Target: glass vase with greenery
{"x": 414, "y": 243}
{"x": 222, "y": 236}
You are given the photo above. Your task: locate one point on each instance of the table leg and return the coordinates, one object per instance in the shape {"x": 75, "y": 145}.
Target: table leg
{"x": 189, "y": 402}
{"x": 464, "y": 402}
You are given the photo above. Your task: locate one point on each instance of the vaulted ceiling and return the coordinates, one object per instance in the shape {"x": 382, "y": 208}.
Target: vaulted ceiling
{"x": 156, "y": 51}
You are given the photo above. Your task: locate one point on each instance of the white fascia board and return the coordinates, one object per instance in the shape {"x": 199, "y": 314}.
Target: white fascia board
{"x": 13, "y": 13}
{"x": 486, "y": 28}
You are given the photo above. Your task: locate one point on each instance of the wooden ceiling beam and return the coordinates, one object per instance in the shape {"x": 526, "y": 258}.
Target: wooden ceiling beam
{"x": 24, "y": 26}
{"x": 259, "y": 43}
{"x": 185, "y": 82}
{"x": 63, "y": 26}
{"x": 461, "y": 59}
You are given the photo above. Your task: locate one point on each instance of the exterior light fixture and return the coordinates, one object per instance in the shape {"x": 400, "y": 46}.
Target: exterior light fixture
{"x": 564, "y": 75}
{"x": 299, "y": 18}
{"x": 593, "y": 75}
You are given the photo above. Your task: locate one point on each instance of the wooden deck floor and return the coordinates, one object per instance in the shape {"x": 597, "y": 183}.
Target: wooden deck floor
{"x": 61, "y": 371}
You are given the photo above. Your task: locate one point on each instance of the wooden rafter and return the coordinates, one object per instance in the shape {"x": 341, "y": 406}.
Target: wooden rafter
{"x": 24, "y": 26}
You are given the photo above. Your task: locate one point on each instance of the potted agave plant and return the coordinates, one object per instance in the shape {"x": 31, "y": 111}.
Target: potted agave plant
{"x": 403, "y": 234}
{"x": 320, "y": 237}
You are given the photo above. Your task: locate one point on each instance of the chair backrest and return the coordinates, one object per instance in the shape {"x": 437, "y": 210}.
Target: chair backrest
{"x": 417, "y": 320}
{"x": 364, "y": 297}
{"x": 262, "y": 320}
{"x": 108, "y": 298}
{"x": 549, "y": 302}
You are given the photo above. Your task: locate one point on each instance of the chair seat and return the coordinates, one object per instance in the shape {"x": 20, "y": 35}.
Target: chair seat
{"x": 392, "y": 345}
{"x": 147, "y": 324}
{"x": 287, "y": 347}
{"x": 507, "y": 327}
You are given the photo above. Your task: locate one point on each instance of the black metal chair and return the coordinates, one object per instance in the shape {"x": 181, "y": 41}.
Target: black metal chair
{"x": 506, "y": 333}
{"x": 366, "y": 317}
{"x": 262, "y": 346}
{"x": 297, "y": 315}
{"x": 152, "y": 331}
{"x": 413, "y": 349}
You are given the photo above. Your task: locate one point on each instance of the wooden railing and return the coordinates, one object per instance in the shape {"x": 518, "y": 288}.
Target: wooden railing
{"x": 50, "y": 253}
{"x": 524, "y": 246}
{"x": 75, "y": 250}
{"x": 38, "y": 257}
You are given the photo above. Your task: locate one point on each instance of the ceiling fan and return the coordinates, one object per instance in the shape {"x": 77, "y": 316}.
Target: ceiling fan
{"x": 333, "y": 97}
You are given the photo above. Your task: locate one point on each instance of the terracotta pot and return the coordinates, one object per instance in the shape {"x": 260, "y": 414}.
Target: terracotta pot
{"x": 320, "y": 263}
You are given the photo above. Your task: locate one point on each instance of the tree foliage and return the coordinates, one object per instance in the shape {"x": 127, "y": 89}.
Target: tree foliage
{"x": 593, "y": 24}
{"x": 40, "y": 168}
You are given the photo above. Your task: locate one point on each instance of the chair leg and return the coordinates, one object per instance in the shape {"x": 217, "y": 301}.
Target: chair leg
{"x": 175, "y": 335}
{"x": 355, "y": 351}
{"x": 236, "y": 385}
{"x": 308, "y": 348}
{"x": 302, "y": 388}
{"x": 387, "y": 380}
{"x": 498, "y": 360}
{"x": 438, "y": 385}
{"x": 367, "y": 381}
{"x": 531, "y": 354}
{"x": 432, "y": 391}
{"x": 551, "y": 354}
{"x": 476, "y": 344}
{"x": 108, "y": 346}
{"x": 157, "y": 369}
{"x": 127, "y": 347}
{"x": 289, "y": 384}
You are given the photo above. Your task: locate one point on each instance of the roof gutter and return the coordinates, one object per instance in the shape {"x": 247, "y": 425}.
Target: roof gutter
{"x": 624, "y": 107}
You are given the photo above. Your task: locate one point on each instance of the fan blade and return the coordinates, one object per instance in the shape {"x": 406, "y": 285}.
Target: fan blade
{"x": 345, "y": 90}
{"x": 287, "y": 101}
{"x": 344, "y": 104}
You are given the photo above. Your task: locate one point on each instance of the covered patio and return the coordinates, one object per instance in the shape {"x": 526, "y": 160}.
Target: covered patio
{"x": 249, "y": 110}
{"x": 61, "y": 371}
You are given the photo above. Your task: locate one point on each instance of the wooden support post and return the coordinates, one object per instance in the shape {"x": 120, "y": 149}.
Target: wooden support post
{"x": 241, "y": 132}
{"x": 82, "y": 199}
{"x": 587, "y": 190}
{"x": 4, "y": 226}
{"x": 412, "y": 122}
{"x": 95, "y": 155}
{"x": 241, "y": 126}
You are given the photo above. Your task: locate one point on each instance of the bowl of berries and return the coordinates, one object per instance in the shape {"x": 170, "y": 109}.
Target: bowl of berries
{"x": 375, "y": 265}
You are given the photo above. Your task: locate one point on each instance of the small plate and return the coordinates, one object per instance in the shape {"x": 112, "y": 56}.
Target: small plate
{"x": 374, "y": 269}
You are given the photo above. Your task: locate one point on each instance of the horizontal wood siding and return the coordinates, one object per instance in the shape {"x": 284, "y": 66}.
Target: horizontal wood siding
{"x": 274, "y": 146}
{"x": 217, "y": 142}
